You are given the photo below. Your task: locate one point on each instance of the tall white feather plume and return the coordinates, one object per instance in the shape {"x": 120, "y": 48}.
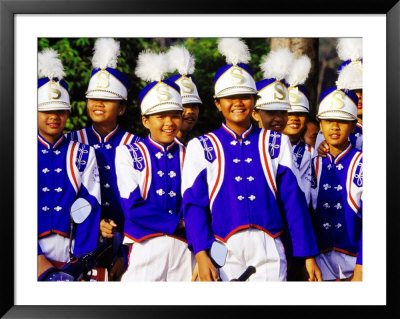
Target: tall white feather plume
{"x": 151, "y": 66}
{"x": 350, "y": 78}
{"x": 299, "y": 70}
{"x": 49, "y": 65}
{"x": 106, "y": 53}
{"x": 277, "y": 63}
{"x": 180, "y": 60}
{"x": 349, "y": 49}
{"x": 234, "y": 50}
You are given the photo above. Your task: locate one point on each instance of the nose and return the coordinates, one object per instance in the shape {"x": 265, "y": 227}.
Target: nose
{"x": 237, "y": 102}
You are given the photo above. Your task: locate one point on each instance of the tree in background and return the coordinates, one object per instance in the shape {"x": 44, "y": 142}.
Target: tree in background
{"x": 76, "y": 54}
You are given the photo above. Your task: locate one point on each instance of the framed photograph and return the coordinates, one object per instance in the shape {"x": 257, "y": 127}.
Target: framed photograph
{"x": 23, "y": 23}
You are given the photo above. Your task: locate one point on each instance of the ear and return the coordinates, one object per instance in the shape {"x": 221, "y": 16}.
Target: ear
{"x": 256, "y": 116}
{"x": 122, "y": 108}
{"x": 145, "y": 122}
{"x": 217, "y": 104}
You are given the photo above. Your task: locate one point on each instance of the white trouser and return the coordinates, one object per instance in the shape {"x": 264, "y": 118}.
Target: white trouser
{"x": 335, "y": 265}
{"x": 56, "y": 247}
{"x": 253, "y": 247}
{"x": 162, "y": 258}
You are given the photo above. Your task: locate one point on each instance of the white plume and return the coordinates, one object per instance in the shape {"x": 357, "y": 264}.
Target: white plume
{"x": 151, "y": 66}
{"x": 234, "y": 50}
{"x": 49, "y": 65}
{"x": 349, "y": 49}
{"x": 180, "y": 60}
{"x": 106, "y": 53}
{"x": 350, "y": 77}
{"x": 277, "y": 63}
{"x": 299, "y": 70}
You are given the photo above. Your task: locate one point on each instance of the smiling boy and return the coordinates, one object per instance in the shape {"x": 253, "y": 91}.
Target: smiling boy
{"x": 106, "y": 102}
{"x": 233, "y": 180}
{"x": 149, "y": 182}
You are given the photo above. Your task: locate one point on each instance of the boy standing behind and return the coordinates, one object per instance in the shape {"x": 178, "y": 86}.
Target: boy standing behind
{"x": 337, "y": 189}
{"x": 149, "y": 182}
{"x": 233, "y": 181}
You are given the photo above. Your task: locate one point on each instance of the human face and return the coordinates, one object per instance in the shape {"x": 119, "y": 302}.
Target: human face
{"x": 236, "y": 110}
{"x": 105, "y": 112}
{"x": 51, "y": 124}
{"x": 310, "y": 135}
{"x": 295, "y": 124}
{"x": 163, "y": 126}
{"x": 190, "y": 115}
{"x": 336, "y": 134}
{"x": 360, "y": 103}
{"x": 271, "y": 120}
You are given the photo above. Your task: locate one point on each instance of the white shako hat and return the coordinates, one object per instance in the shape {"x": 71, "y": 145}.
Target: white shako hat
{"x": 272, "y": 91}
{"x": 52, "y": 89}
{"x": 297, "y": 76}
{"x": 350, "y": 71}
{"x": 236, "y": 77}
{"x": 182, "y": 61}
{"x": 338, "y": 104}
{"x": 159, "y": 95}
{"x": 106, "y": 82}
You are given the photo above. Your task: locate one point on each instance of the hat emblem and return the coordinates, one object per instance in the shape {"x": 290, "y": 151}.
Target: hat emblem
{"x": 294, "y": 95}
{"x": 280, "y": 90}
{"x": 163, "y": 93}
{"x": 53, "y": 90}
{"x": 102, "y": 79}
{"x": 236, "y": 76}
{"x": 337, "y": 100}
{"x": 187, "y": 85}
{"x": 357, "y": 64}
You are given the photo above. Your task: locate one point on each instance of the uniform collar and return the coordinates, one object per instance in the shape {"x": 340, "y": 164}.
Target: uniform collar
{"x": 340, "y": 156}
{"x": 163, "y": 148}
{"x": 107, "y": 137}
{"x": 49, "y": 145}
{"x": 243, "y": 136}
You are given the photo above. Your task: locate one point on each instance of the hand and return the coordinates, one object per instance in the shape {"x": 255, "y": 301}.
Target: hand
{"x": 117, "y": 270}
{"x": 323, "y": 148}
{"x": 43, "y": 265}
{"x": 195, "y": 272}
{"x": 314, "y": 273}
{"x": 181, "y": 224}
{"x": 206, "y": 269}
{"x": 357, "y": 274}
{"x": 107, "y": 228}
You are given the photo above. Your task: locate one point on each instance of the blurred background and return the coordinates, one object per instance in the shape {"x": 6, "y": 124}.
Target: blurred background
{"x": 76, "y": 54}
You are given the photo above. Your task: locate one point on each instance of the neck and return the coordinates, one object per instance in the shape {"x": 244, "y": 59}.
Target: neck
{"x": 294, "y": 138}
{"x": 50, "y": 138}
{"x": 104, "y": 128}
{"x": 182, "y": 136}
{"x": 336, "y": 150}
{"x": 238, "y": 128}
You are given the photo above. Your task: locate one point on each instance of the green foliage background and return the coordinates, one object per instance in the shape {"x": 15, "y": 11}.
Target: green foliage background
{"x": 76, "y": 54}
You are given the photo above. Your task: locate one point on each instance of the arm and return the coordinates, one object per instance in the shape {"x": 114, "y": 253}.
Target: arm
{"x": 87, "y": 232}
{"x": 195, "y": 200}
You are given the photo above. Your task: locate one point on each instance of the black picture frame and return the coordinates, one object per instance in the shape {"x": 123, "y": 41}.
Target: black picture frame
{"x": 8, "y": 10}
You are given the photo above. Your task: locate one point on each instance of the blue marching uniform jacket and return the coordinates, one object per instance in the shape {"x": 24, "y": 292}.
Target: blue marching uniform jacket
{"x": 67, "y": 170}
{"x": 337, "y": 201}
{"x": 230, "y": 185}
{"x": 105, "y": 155}
{"x": 149, "y": 182}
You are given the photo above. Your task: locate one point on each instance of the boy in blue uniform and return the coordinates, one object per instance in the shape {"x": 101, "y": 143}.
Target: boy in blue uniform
{"x": 149, "y": 182}
{"x": 66, "y": 170}
{"x": 337, "y": 189}
{"x": 350, "y": 78}
{"x": 234, "y": 181}
{"x": 106, "y": 102}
